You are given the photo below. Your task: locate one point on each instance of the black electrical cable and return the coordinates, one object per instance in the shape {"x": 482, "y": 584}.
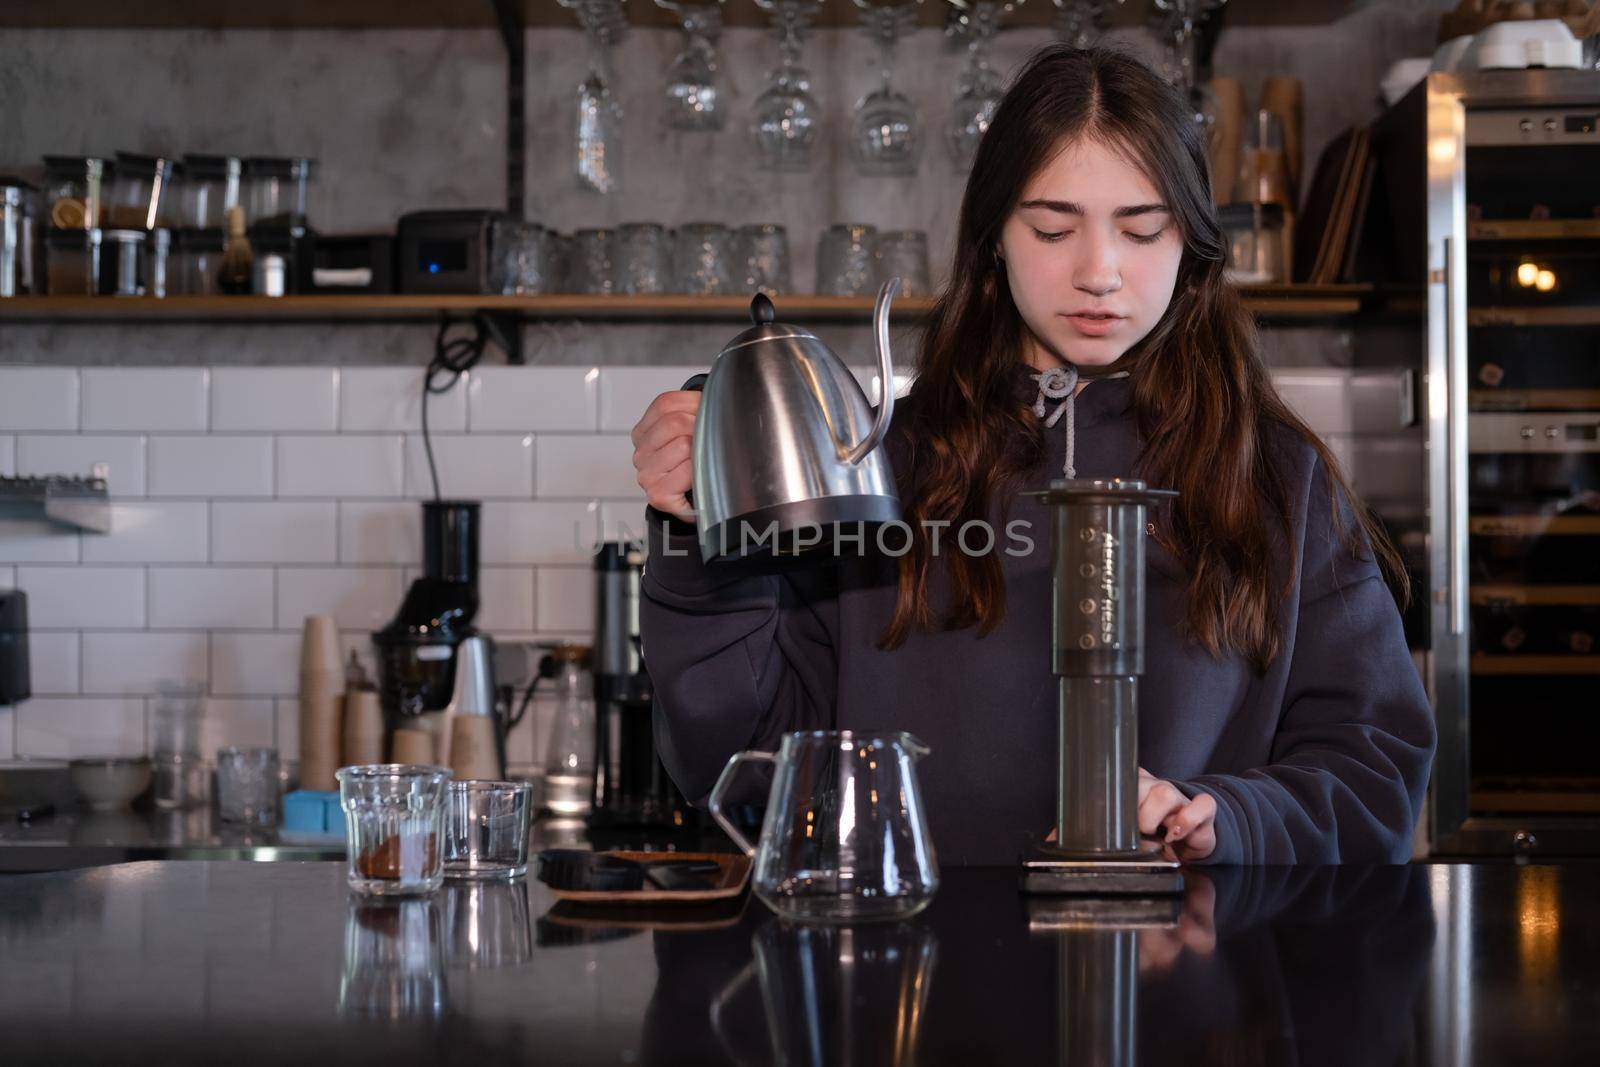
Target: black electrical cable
{"x": 454, "y": 356}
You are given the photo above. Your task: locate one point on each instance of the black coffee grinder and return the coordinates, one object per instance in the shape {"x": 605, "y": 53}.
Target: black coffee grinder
{"x": 417, "y": 649}
{"x": 631, "y": 787}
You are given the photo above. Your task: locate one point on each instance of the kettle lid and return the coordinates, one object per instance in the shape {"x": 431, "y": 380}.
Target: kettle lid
{"x": 763, "y": 315}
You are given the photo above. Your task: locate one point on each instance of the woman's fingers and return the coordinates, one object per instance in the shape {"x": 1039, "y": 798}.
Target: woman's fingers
{"x": 663, "y": 451}
{"x": 1156, "y": 803}
{"x": 1192, "y": 831}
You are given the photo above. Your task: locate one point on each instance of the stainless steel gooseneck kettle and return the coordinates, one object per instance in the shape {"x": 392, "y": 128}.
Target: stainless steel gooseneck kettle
{"x": 786, "y": 445}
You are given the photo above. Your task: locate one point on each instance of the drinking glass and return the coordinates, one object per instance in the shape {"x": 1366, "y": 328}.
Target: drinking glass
{"x": 787, "y": 117}
{"x": 981, "y": 86}
{"x": 247, "y": 785}
{"x": 486, "y": 829}
{"x": 693, "y": 99}
{"x": 702, "y": 259}
{"x": 845, "y": 260}
{"x": 644, "y": 259}
{"x": 394, "y": 827}
{"x": 599, "y": 114}
{"x": 762, "y": 254}
{"x": 592, "y": 269}
{"x": 1081, "y": 23}
{"x": 885, "y": 136}
{"x": 903, "y": 254}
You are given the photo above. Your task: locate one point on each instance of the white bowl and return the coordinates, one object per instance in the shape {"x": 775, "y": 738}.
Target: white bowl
{"x": 107, "y": 783}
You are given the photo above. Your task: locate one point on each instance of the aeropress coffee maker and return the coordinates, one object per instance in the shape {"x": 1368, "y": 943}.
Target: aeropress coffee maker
{"x": 1097, "y": 538}
{"x": 433, "y": 664}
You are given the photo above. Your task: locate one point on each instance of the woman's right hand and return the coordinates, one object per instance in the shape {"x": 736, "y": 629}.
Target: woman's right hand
{"x": 663, "y": 451}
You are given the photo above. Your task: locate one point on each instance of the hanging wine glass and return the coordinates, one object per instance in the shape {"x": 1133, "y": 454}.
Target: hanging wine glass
{"x": 884, "y": 136}
{"x": 1182, "y": 22}
{"x": 980, "y": 87}
{"x": 1081, "y": 23}
{"x": 599, "y": 115}
{"x": 693, "y": 98}
{"x": 787, "y": 117}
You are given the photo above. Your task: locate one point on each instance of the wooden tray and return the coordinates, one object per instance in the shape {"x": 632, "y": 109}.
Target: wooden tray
{"x": 732, "y": 873}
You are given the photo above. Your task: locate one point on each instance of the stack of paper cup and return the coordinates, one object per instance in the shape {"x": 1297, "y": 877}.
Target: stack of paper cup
{"x": 363, "y": 728}
{"x": 321, "y": 697}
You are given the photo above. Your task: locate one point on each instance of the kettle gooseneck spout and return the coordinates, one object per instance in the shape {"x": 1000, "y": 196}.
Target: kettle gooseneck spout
{"x": 880, "y": 325}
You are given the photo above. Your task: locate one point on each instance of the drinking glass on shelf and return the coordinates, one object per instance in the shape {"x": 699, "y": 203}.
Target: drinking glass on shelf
{"x": 643, "y": 259}
{"x": 787, "y": 117}
{"x": 558, "y": 262}
{"x": 903, "y": 254}
{"x": 247, "y": 785}
{"x": 981, "y": 86}
{"x": 521, "y": 261}
{"x": 702, "y": 259}
{"x": 599, "y": 114}
{"x": 845, "y": 260}
{"x": 693, "y": 98}
{"x": 1181, "y": 20}
{"x": 1081, "y": 23}
{"x": 761, "y": 253}
{"x": 592, "y": 270}
{"x": 885, "y": 136}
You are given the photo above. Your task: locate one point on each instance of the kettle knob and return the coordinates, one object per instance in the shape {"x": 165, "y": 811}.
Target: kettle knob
{"x": 762, "y": 312}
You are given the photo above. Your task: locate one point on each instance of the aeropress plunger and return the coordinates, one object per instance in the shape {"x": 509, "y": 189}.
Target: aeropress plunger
{"x": 1097, "y": 534}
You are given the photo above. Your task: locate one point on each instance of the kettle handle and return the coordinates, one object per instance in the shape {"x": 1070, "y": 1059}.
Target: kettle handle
{"x": 696, "y": 384}
{"x": 724, "y": 780}
{"x": 880, "y": 424}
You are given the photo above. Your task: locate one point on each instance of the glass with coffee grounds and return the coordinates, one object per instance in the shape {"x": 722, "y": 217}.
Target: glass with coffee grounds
{"x": 394, "y": 827}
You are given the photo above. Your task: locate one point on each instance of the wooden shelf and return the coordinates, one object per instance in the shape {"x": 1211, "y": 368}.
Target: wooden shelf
{"x": 1290, "y": 301}
{"x": 1533, "y": 525}
{"x": 1533, "y": 316}
{"x": 480, "y": 14}
{"x": 1536, "y": 595}
{"x": 1484, "y": 663}
{"x": 1531, "y": 229}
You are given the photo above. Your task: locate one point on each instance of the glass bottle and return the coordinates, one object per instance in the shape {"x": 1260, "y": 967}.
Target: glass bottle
{"x": 569, "y": 754}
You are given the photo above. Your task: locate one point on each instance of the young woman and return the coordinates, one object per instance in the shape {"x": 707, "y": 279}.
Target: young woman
{"x": 1087, "y": 331}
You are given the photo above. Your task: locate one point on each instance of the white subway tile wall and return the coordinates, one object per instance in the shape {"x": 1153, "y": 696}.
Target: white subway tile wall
{"x": 75, "y": 454}
{"x": 248, "y": 497}
{"x": 38, "y": 398}
{"x": 275, "y": 398}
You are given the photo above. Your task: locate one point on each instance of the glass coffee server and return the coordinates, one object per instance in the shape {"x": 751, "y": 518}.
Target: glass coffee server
{"x": 1498, "y": 168}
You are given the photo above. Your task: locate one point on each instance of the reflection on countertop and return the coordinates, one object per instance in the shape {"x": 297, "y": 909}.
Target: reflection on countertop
{"x": 1409, "y": 965}
{"x": 77, "y": 837}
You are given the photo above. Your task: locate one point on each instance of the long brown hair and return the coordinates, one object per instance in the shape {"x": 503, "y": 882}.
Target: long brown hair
{"x": 1200, "y": 387}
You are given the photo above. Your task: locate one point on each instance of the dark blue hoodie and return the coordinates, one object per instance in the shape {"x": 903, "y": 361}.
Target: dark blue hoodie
{"x": 1324, "y": 758}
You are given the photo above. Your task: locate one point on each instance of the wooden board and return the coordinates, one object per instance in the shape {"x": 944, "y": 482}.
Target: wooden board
{"x": 733, "y": 871}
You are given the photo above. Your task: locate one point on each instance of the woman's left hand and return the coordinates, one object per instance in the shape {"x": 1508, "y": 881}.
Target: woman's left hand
{"x": 1185, "y": 829}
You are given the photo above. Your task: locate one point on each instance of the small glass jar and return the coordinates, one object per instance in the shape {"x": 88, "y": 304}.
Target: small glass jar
{"x": 644, "y": 259}
{"x": 521, "y": 263}
{"x": 158, "y": 271}
{"x": 592, "y": 270}
{"x": 277, "y": 191}
{"x": 903, "y": 254}
{"x": 247, "y": 785}
{"x": 197, "y": 262}
{"x": 486, "y": 829}
{"x": 19, "y": 234}
{"x": 394, "y": 815}
{"x": 72, "y": 262}
{"x": 845, "y": 260}
{"x": 276, "y": 251}
{"x": 75, "y": 189}
{"x": 1255, "y": 243}
{"x": 702, "y": 259}
{"x": 210, "y": 187}
{"x": 142, "y": 193}
{"x": 762, "y": 255}
{"x": 122, "y": 263}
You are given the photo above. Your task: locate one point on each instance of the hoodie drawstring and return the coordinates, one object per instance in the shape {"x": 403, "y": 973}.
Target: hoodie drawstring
{"x": 1061, "y": 383}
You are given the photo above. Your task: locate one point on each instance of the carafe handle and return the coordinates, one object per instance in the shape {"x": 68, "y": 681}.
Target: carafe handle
{"x": 724, "y": 780}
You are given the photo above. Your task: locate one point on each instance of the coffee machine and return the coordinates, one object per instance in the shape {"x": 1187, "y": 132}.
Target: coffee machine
{"x": 421, "y": 650}
{"x": 631, "y": 787}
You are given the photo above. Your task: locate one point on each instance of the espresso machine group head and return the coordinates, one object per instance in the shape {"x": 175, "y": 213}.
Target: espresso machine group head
{"x": 1097, "y": 538}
